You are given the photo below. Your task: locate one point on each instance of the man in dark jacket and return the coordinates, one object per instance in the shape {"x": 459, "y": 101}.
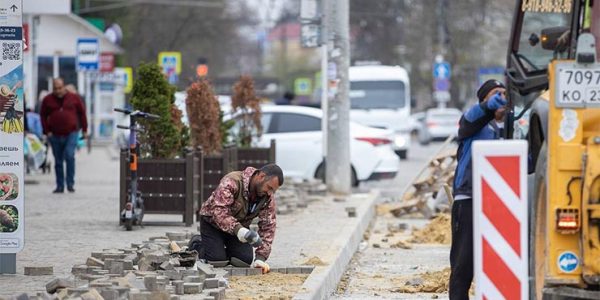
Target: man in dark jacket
{"x": 62, "y": 113}
{"x": 227, "y": 214}
{"x": 483, "y": 121}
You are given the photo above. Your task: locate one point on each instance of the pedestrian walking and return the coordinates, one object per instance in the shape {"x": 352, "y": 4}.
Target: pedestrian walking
{"x": 227, "y": 214}
{"x": 483, "y": 121}
{"x": 61, "y": 113}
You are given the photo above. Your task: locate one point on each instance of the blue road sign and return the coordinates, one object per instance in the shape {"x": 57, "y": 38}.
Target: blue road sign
{"x": 568, "y": 262}
{"x": 441, "y": 84}
{"x": 441, "y": 70}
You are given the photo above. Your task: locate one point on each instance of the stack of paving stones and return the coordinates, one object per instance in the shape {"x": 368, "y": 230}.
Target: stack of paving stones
{"x": 148, "y": 271}
{"x": 296, "y": 195}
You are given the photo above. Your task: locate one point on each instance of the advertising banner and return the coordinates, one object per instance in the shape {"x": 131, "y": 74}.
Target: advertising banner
{"x": 11, "y": 127}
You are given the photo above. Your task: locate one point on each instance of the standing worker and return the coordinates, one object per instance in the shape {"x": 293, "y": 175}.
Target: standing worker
{"x": 62, "y": 113}
{"x": 227, "y": 214}
{"x": 483, "y": 121}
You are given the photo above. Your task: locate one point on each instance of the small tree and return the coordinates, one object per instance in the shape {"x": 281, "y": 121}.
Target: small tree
{"x": 204, "y": 115}
{"x": 152, "y": 93}
{"x": 244, "y": 100}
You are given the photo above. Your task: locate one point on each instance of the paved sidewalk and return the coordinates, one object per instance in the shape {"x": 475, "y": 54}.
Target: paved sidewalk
{"x": 62, "y": 230}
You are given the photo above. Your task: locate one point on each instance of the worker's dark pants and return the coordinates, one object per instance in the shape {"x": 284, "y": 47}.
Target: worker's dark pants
{"x": 219, "y": 245}
{"x": 461, "y": 252}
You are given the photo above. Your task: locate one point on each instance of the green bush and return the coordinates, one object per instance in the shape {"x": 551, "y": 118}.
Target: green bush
{"x": 165, "y": 137}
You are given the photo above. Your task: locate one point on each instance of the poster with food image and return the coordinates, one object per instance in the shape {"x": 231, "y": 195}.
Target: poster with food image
{"x": 12, "y": 223}
{"x": 9, "y": 218}
{"x": 9, "y": 186}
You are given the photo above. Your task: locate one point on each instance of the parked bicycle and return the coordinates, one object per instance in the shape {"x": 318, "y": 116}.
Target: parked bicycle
{"x": 133, "y": 213}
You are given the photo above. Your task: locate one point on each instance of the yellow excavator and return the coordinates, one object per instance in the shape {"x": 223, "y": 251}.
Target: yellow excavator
{"x": 553, "y": 81}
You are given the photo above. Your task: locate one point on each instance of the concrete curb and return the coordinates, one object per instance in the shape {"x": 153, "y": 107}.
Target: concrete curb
{"x": 323, "y": 280}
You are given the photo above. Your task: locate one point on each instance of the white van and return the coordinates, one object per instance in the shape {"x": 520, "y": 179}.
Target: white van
{"x": 380, "y": 97}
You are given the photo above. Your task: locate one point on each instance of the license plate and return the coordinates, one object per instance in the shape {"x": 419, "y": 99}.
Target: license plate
{"x": 128, "y": 214}
{"x": 577, "y": 85}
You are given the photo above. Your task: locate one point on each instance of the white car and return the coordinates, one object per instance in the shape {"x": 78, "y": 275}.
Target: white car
{"x": 440, "y": 123}
{"x": 299, "y": 145}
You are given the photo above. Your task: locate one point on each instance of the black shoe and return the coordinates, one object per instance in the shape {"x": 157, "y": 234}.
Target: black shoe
{"x": 58, "y": 191}
{"x": 71, "y": 189}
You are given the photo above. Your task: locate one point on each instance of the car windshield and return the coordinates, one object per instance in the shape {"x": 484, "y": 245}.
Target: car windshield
{"x": 377, "y": 94}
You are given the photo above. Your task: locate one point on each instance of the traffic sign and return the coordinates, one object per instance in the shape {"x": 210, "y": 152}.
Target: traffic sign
{"x": 170, "y": 63}
{"x": 302, "y": 86}
{"x": 125, "y": 77}
{"x": 88, "y": 54}
{"x": 500, "y": 220}
{"x": 441, "y": 70}
{"x": 441, "y": 84}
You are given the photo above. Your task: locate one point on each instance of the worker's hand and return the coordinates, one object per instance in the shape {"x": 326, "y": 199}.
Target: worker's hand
{"x": 261, "y": 264}
{"x": 84, "y": 135}
{"x": 495, "y": 102}
{"x": 248, "y": 236}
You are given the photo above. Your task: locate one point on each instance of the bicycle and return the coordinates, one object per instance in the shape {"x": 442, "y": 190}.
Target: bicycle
{"x": 133, "y": 213}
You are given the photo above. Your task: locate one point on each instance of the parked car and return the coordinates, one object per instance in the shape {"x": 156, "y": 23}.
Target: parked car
{"x": 417, "y": 121}
{"x": 299, "y": 144}
{"x": 439, "y": 124}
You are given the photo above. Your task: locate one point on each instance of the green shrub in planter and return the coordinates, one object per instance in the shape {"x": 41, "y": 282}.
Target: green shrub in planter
{"x": 165, "y": 137}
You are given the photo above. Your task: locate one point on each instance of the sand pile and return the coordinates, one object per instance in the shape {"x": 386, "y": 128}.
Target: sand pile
{"x": 267, "y": 286}
{"x": 314, "y": 261}
{"x": 429, "y": 282}
{"x": 438, "y": 231}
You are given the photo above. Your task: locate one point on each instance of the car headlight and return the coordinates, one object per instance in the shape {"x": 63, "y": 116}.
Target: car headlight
{"x": 399, "y": 141}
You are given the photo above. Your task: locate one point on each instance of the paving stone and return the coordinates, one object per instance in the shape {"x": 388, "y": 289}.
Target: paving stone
{"x": 190, "y": 272}
{"x": 109, "y": 294}
{"x": 150, "y": 283}
{"x": 159, "y": 295}
{"x": 39, "y": 271}
{"x": 211, "y": 283}
{"x": 238, "y": 272}
{"x": 94, "y": 262}
{"x": 139, "y": 296}
{"x": 76, "y": 291}
{"x": 218, "y": 294}
{"x": 178, "y": 287}
{"x": 79, "y": 270}
{"x": 44, "y": 296}
{"x": 23, "y": 296}
{"x": 167, "y": 265}
{"x": 100, "y": 284}
{"x": 56, "y": 284}
{"x": 116, "y": 267}
{"x": 253, "y": 271}
{"x": 192, "y": 288}
{"x": 193, "y": 279}
{"x": 223, "y": 282}
{"x": 307, "y": 270}
{"x": 280, "y": 270}
{"x": 97, "y": 255}
{"x": 174, "y": 297}
{"x": 173, "y": 274}
{"x": 127, "y": 264}
{"x": 207, "y": 270}
{"x": 294, "y": 270}
{"x": 91, "y": 295}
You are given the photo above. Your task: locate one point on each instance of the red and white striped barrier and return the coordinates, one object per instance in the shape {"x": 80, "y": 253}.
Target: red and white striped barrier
{"x": 500, "y": 219}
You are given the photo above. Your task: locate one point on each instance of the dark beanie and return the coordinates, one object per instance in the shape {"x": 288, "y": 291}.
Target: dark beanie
{"x": 487, "y": 86}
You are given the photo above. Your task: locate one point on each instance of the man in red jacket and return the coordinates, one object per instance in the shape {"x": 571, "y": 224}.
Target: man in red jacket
{"x": 62, "y": 113}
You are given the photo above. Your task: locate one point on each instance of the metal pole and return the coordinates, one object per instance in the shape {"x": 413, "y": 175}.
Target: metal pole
{"x": 338, "y": 172}
{"x": 325, "y": 15}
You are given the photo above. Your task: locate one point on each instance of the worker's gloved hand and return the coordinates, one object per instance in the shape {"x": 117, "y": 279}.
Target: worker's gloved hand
{"x": 248, "y": 236}
{"x": 495, "y": 102}
{"x": 261, "y": 264}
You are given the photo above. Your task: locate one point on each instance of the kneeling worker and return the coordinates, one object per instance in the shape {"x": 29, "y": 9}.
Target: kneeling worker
{"x": 226, "y": 216}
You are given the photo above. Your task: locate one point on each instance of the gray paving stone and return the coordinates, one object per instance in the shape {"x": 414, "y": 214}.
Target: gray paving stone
{"x": 211, "y": 283}
{"x": 178, "y": 287}
{"x": 39, "y": 271}
{"x": 94, "y": 262}
{"x": 56, "y": 284}
{"x": 238, "y": 272}
{"x": 192, "y": 288}
{"x": 109, "y": 294}
{"x": 253, "y": 271}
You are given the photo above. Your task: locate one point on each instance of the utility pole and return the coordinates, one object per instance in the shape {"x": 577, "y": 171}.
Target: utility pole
{"x": 338, "y": 172}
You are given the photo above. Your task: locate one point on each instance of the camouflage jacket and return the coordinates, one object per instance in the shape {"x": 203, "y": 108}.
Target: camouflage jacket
{"x": 228, "y": 208}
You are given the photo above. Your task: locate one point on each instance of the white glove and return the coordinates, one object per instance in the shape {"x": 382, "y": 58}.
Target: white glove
{"x": 261, "y": 264}
{"x": 248, "y": 236}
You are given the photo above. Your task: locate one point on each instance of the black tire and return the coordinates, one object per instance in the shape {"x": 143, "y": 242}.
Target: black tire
{"x": 403, "y": 154}
{"x": 537, "y": 225}
{"x": 129, "y": 224}
{"x": 320, "y": 174}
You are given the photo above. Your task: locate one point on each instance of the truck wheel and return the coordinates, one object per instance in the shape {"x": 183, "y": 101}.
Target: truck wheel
{"x": 538, "y": 244}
